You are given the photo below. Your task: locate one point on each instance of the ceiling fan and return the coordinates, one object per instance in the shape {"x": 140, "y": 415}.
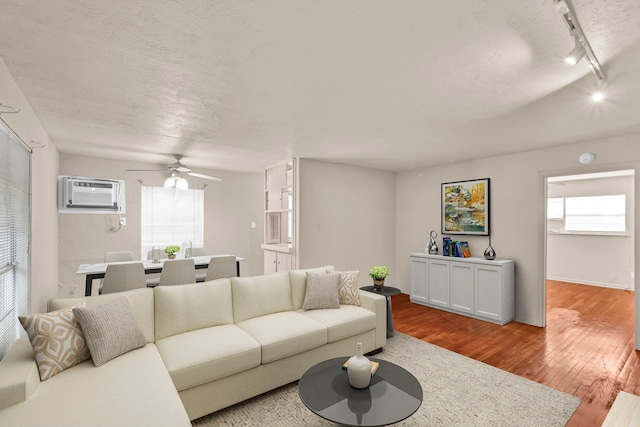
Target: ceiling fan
{"x": 177, "y": 169}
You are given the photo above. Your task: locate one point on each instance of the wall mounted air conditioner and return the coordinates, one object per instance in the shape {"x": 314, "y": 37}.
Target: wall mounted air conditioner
{"x": 78, "y": 194}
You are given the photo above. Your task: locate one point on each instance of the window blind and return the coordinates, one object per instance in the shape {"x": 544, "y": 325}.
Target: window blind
{"x": 171, "y": 216}
{"x": 15, "y": 226}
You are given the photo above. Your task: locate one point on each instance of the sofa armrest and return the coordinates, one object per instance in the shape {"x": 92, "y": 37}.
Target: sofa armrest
{"x": 377, "y": 304}
{"x": 19, "y": 376}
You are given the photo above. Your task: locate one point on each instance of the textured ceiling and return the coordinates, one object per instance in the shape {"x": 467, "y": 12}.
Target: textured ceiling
{"x": 238, "y": 85}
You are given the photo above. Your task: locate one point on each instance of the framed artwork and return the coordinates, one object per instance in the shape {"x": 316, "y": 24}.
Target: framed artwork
{"x": 465, "y": 207}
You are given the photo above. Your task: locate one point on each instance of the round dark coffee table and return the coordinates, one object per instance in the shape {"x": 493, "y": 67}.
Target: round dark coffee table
{"x": 393, "y": 395}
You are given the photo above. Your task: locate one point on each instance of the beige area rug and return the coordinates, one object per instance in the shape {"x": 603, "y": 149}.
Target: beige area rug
{"x": 458, "y": 391}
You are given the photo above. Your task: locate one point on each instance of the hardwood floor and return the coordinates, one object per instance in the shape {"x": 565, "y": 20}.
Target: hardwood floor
{"x": 586, "y": 349}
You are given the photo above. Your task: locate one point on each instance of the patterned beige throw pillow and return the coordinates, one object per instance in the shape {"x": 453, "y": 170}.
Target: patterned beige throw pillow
{"x": 348, "y": 288}
{"x": 110, "y": 330}
{"x": 57, "y": 341}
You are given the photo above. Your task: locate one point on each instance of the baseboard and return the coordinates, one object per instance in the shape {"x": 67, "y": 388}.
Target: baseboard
{"x": 591, "y": 283}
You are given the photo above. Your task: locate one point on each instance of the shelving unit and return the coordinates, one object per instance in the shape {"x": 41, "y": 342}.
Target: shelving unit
{"x": 279, "y": 217}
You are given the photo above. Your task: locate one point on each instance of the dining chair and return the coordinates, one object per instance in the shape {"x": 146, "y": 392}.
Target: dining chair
{"x": 178, "y": 272}
{"x": 115, "y": 256}
{"x": 221, "y": 267}
{"x": 201, "y": 274}
{"x": 123, "y": 277}
{"x": 191, "y": 252}
{"x": 118, "y": 256}
{"x": 153, "y": 279}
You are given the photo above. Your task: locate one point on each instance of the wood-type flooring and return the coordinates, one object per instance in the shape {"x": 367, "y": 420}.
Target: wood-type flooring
{"x": 586, "y": 350}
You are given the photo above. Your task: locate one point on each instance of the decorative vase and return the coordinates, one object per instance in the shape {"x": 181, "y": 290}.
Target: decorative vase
{"x": 490, "y": 253}
{"x": 171, "y": 256}
{"x": 432, "y": 248}
{"x": 359, "y": 369}
{"x": 378, "y": 284}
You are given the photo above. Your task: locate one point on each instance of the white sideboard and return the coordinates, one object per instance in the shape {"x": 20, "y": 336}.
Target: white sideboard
{"x": 473, "y": 287}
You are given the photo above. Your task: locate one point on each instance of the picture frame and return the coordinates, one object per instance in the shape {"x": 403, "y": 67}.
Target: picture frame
{"x": 465, "y": 207}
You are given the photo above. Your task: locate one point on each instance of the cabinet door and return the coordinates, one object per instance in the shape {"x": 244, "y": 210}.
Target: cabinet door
{"x": 270, "y": 259}
{"x": 488, "y": 289}
{"x": 438, "y": 287}
{"x": 283, "y": 262}
{"x": 462, "y": 287}
{"x": 419, "y": 280}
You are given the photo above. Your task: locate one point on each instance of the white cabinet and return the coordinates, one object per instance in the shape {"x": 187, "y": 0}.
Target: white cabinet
{"x": 462, "y": 289}
{"x": 275, "y": 262}
{"x": 279, "y": 217}
{"x": 474, "y": 287}
{"x": 419, "y": 268}
{"x": 438, "y": 282}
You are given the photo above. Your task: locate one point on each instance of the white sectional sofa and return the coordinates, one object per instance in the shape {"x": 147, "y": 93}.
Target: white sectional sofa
{"x": 209, "y": 345}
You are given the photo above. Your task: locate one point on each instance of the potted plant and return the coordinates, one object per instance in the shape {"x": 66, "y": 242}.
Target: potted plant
{"x": 378, "y": 273}
{"x": 172, "y": 250}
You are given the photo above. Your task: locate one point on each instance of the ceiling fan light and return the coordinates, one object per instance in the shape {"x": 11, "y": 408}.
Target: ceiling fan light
{"x": 170, "y": 182}
{"x": 182, "y": 184}
{"x": 575, "y": 55}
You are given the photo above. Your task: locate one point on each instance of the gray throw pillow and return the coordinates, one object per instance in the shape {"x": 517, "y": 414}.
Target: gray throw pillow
{"x": 110, "y": 330}
{"x": 322, "y": 291}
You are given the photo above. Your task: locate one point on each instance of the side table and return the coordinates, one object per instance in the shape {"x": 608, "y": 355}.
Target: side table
{"x": 387, "y": 292}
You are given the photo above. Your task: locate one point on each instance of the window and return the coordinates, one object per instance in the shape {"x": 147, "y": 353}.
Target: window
{"x": 171, "y": 216}
{"x": 15, "y": 226}
{"x": 555, "y": 208}
{"x": 597, "y": 214}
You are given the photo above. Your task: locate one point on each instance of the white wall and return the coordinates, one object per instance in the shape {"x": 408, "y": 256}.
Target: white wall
{"x": 517, "y": 208}
{"x": 44, "y": 170}
{"x": 230, "y": 207}
{"x": 347, "y": 218}
{"x": 603, "y": 260}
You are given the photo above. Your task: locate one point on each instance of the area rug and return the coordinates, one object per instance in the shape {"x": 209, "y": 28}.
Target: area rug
{"x": 458, "y": 391}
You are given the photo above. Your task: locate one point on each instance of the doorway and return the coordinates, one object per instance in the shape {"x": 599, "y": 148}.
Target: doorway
{"x": 590, "y": 234}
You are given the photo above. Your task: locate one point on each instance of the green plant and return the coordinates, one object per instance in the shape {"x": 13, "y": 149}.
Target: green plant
{"x": 172, "y": 249}
{"x": 379, "y": 272}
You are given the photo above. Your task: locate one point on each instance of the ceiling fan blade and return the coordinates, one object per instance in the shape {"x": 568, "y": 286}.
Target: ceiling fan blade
{"x": 147, "y": 170}
{"x": 199, "y": 175}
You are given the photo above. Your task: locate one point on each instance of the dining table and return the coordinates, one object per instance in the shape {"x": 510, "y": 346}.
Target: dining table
{"x": 97, "y": 270}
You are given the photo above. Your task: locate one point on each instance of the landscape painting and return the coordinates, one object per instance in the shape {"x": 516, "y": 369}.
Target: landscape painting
{"x": 465, "y": 207}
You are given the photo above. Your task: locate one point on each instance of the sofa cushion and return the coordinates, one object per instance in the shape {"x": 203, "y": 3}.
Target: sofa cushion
{"x": 298, "y": 280}
{"x": 283, "y": 334}
{"x": 348, "y": 290}
{"x": 322, "y": 291}
{"x": 204, "y": 355}
{"x": 57, "y": 341}
{"x": 186, "y": 308}
{"x": 110, "y": 330}
{"x": 132, "y": 390}
{"x": 260, "y": 295}
{"x": 19, "y": 376}
{"x": 346, "y": 322}
{"x": 141, "y": 301}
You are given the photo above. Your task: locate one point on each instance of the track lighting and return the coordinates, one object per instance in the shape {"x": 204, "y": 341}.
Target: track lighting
{"x": 582, "y": 46}
{"x": 576, "y": 54}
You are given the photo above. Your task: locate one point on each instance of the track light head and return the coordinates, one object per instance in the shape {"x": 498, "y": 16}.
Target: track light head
{"x": 576, "y": 54}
